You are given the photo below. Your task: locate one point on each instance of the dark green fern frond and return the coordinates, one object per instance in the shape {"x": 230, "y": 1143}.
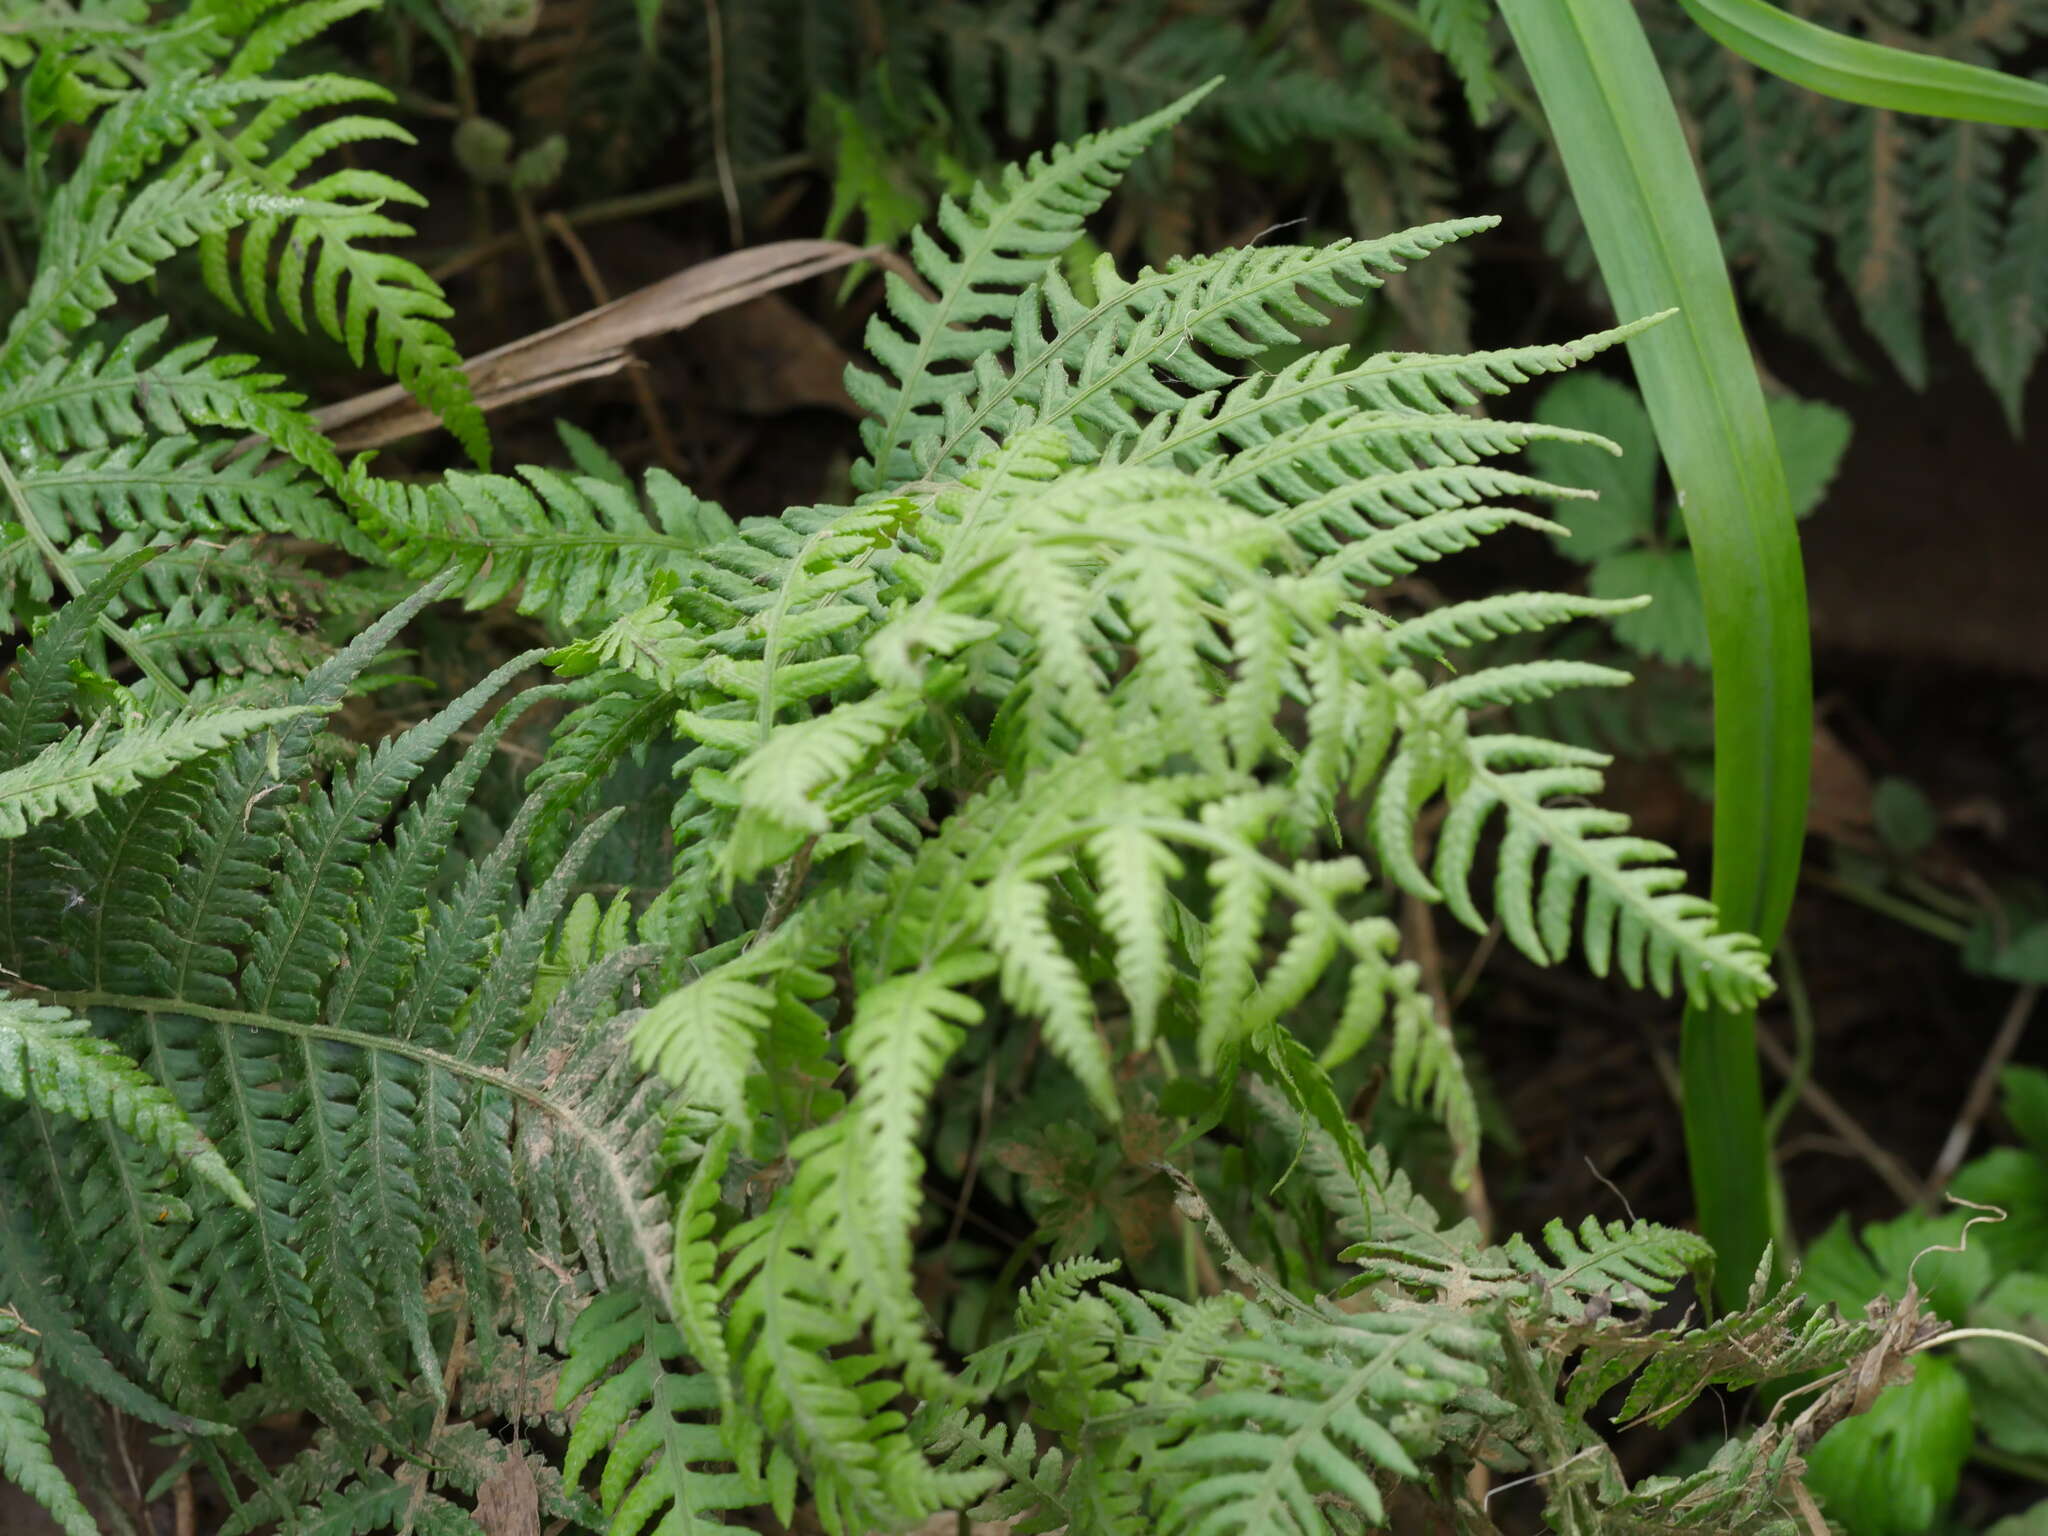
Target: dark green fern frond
{"x": 1777, "y": 1336}
{"x": 258, "y": 947}
{"x": 574, "y": 546}
{"x": 327, "y": 276}
{"x": 219, "y": 637}
{"x": 177, "y": 485}
{"x": 617, "y": 88}
{"x": 25, "y": 1454}
{"x": 48, "y": 1055}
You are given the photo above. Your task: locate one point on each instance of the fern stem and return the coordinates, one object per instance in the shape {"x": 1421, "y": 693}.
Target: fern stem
{"x": 1930, "y": 923}
{"x": 2003, "y": 1335}
{"x": 633, "y": 205}
{"x": 440, "y": 1061}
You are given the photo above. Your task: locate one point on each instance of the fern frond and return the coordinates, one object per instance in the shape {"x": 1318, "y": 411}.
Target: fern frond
{"x": 573, "y": 546}
{"x": 1460, "y": 31}
{"x": 787, "y": 1332}
{"x": 1338, "y": 1380}
{"x": 35, "y": 714}
{"x": 1741, "y": 1492}
{"x": 646, "y": 1421}
{"x": 216, "y": 635}
{"x": 1629, "y": 1263}
{"x": 50, "y": 1056}
{"x": 373, "y": 302}
{"x": 1118, "y": 365}
{"x": 1770, "y": 204}
{"x": 1001, "y": 242}
{"x": 1259, "y": 408}
{"x": 1772, "y": 1338}
{"x": 1634, "y": 914}
{"x": 103, "y": 230}
{"x": 72, "y": 776}
{"x": 178, "y": 485}
{"x": 902, "y": 1033}
{"x": 25, "y": 1454}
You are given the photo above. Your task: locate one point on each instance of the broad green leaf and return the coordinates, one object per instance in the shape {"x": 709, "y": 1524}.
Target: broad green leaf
{"x": 2011, "y": 943}
{"x": 1635, "y": 186}
{"x": 1812, "y": 437}
{"x": 2006, "y": 1380}
{"x": 1674, "y": 627}
{"x": 2026, "y": 1105}
{"x": 1893, "y": 1471}
{"x": 1838, "y": 1270}
{"x": 1626, "y": 512}
{"x": 1870, "y": 74}
{"x": 1905, "y": 821}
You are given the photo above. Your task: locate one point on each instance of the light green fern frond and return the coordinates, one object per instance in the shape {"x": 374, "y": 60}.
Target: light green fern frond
{"x": 1635, "y": 915}
{"x": 1001, "y": 243}
{"x": 72, "y": 776}
{"x": 647, "y": 1422}
{"x": 1339, "y": 1382}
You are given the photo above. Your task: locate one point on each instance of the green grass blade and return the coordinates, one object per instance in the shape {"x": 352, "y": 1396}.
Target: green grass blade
{"x": 1633, "y": 180}
{"x": 1870, "y": 74}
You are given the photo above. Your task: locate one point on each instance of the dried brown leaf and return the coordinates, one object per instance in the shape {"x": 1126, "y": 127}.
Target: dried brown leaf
{"x": 508, "y": 1502}
{"x": 597, "y": 342}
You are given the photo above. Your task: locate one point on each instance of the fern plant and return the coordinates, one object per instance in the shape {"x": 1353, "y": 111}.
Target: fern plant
{"x": 1091, "y": 725}
{"x": 1084, "y": 719}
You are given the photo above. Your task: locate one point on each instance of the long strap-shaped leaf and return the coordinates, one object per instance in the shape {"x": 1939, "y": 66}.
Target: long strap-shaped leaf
{"x": 1870, "y": 74}
{"x": 1634, "y": 182}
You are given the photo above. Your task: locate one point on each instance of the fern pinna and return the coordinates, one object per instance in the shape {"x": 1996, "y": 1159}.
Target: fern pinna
{"x": 1091, "y": 724}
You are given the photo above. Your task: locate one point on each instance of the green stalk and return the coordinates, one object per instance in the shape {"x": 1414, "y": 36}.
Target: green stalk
{"x": 1635, "y": 185}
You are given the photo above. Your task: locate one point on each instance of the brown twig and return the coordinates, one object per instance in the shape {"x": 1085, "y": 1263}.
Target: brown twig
{"x": 1896, "y": 1175}
{"x": 633, "y": 205}
{"x": 184, "y": 1506}
{"x": 537, "y": 252}
{"x": 651, "y": 413}
{"x": 591, "y": 345}
{"x": 1418, "y": 927}
{"x": 1469, "y": 977}
{"x": 1982, "y": 1088}
{"x": 721, "y": 151}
